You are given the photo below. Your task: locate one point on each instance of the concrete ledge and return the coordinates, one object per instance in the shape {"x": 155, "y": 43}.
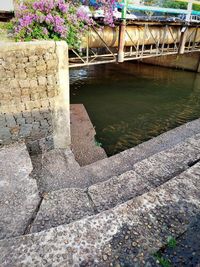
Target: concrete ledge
{"x": 104, "y": 169}
{"x": 62, "y": 207}
{"x": 19, "y": 196}
{"x": 83, "y": 137}
{"x": 146, "y": 175}
{"x": 67, "y": 205}
{"x": 126, "y": 234}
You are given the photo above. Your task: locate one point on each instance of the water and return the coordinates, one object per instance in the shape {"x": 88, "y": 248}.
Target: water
{"x": 131, "y": 103}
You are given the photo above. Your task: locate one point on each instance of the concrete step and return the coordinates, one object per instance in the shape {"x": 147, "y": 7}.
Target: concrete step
{"x": 127, "y": 234}
{"x": 83, "y": 137}
{"x": 19, "y": 195}
{"x": 67, "y": 205}
{"x": 104, "y": 169}
{"x": 60, "y": 170}
{"x": 57, "y": 169}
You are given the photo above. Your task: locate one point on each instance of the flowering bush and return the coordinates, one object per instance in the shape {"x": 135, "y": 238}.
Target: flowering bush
{"x": 50, "y": 19}
{"x": 108, "y": 6}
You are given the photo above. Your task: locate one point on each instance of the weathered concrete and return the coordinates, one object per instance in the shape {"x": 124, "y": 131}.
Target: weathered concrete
{"x": 122, "y": 162}
{"x": 61, "y": 111}
{"x": 146, "y": 175}
{"x": 83, "y": 137}
{"x": 189, "y": 61}
{"x": 125, "y": 234}
{"x": 62, "y": 207}
{"x": 18, "y": 192}
{"x": 57, "y": 169}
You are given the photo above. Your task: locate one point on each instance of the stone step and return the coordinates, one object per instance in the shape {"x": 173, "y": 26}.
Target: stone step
{"x": 104, "y": 169}
{"x": 60, "y": 170}
{"x": 127, "y": 234}
{"x": 19, "y": 196}
{"x": 57, "y": 169}
{"x": 67, "y": 205}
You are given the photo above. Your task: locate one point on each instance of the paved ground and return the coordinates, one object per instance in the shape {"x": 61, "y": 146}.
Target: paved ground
{"x": 83, "y": 134}
{"x": 186, "y": 252}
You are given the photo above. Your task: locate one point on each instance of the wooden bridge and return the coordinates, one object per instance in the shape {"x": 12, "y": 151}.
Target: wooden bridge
{"x": 135, "y": 40}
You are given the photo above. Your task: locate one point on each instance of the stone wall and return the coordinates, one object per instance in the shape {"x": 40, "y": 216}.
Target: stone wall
{"x": 34, "y": 94}
{"x": 189, "y": 61}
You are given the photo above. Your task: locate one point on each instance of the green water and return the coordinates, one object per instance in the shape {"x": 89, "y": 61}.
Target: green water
{"x": 131, "y": 103}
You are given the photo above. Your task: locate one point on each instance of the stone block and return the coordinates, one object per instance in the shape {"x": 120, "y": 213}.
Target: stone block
{"x": 9, "y": 74}
{"x": 45, "y": 103}
{"x": 25, "y": 92}
{"x": 20, "y": 65}
{"x": 52, "y": 64}
{"x": 10, "y": 120}
{"x": 30, "y": 65}
{"x": 24, "y": 83}
{"x": 29, "y": 120}
{"x": 51, "y": 80}
{"x": 48, "y": 56}
{"x": 20, "y": 74}
{"x": 51, "y": 94}
{"x": 117, "y": 190}
{"x": 41, "y": 62}
{"x": 42, "y": 81}
{"x": 25, "y": 98}
{"x": 18, "y": 192}
{"x": 14, "y": 83}
{"x": 15, "y": 131}
{"x": 43, "y": 95}
{"x": 33, "y": 83}
{"x": 9, "y": 65}
{"x": 35, "y": 96}
{"x": 31, "y": 72}
{"x": 20, "y": 121}
{"x": 25, "y": 130}
{"x": 41, "y": 68}
{"x": 33, "y": 59}
{"x": 5, "y": 134}
{"x": 62, "y": 207}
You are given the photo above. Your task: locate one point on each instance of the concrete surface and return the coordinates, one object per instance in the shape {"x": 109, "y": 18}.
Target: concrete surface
{"x": 62, "y": 207}
{"x": 146, "y": 175}
{"x": 104, "y": 169}
{"x": 83, "y": 137}
{"x": 126, "y": 234}
{"x": 57, "y": 169}
{"x": 18, "y": 192}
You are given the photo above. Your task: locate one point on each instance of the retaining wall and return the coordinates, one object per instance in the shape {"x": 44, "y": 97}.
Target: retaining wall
{"x": 189, "y": 61}
{"x": 34, "y": 94}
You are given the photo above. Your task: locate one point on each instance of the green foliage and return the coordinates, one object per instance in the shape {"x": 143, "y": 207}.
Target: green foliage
{"x": 174, "y": 4}
{"x": 97, "y": 143}
{"x": 162, "y": 261}
{"x": 171, "y": 242}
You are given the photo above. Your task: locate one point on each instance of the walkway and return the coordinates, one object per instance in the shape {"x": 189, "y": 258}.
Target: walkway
{"x": 115, "y": 212}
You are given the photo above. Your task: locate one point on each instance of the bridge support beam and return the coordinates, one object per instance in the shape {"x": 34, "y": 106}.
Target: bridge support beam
{"x": 198, "y": 66}
{"x": 122, "y": 34}
{"x": 183, "y": 38}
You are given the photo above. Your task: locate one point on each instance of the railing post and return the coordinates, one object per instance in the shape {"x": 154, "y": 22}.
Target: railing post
{"x": 181, "y": 49}
{"x": 189, "y": 11}
{"x": 122, "y": 33}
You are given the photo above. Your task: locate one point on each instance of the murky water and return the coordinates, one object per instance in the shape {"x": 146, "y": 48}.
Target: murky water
{"x": 131, "y": 103}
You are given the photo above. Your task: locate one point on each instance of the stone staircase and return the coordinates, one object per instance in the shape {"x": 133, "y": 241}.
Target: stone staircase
{"x": 115, "y": 212}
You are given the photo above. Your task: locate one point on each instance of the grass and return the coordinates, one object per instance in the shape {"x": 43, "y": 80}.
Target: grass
{"x": 171, "y": 243}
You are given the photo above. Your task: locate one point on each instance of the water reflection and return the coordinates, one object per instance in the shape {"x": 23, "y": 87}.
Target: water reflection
{"x": 130, "y": 103}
